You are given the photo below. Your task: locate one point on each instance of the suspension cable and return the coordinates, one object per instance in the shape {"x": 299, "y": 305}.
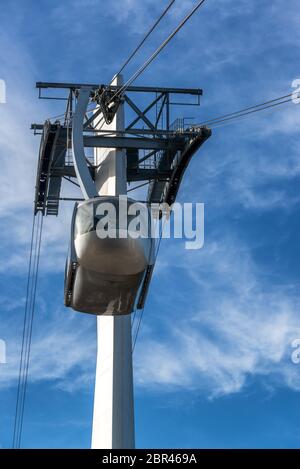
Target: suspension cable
{"x": 24, "y": 329}
{"x": 123, "y": 88}
{"x": 145, "y": 38}
{"x": 231, "y": 114}
{"x": 142, "y": 312}
{"x": 138, "y": 47}
{"x": 35, "y": 247}
{"x": 156, "y": 53}
{"x": 219, "y": 122}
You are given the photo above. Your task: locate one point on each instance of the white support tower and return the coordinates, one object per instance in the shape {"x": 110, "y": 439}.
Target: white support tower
{"x": 113, "y": 419}
{"x": 91, "y": 269}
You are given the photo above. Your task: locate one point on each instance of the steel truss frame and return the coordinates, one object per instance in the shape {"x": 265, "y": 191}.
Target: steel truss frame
{"x": 167, "y": 148}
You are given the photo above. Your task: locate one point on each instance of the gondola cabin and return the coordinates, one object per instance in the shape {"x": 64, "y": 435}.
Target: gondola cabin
{"x": 109, "y": 255}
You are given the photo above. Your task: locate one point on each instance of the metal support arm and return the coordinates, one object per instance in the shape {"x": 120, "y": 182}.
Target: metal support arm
{"x": 83, "y": 174}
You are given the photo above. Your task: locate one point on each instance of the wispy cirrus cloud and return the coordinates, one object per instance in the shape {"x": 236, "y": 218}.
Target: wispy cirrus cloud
{"x": 63, "y": 348}
{"x": 237, "y": 326}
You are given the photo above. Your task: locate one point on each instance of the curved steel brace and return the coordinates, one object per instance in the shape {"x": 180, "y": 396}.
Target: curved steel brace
{"x": 83, "y": 174}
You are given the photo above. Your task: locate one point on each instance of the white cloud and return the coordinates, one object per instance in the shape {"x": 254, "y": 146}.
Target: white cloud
{"x": 246, "y": 325}
{"x": 63, "y": 350}
{"x": 244, "y": 330}
{"x": 19, "y": 156}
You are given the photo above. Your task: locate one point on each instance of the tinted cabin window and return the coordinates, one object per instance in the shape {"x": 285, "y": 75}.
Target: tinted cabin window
{"x": 84, "y": 221}
{"x": 87, "y": 217}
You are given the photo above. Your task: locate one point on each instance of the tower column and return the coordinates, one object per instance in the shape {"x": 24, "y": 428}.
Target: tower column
{"x": 113, "y": 418}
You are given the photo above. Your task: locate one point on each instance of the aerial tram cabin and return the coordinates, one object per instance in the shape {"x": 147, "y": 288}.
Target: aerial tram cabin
{"x": 104, "y": 274}
{"x": 111, "y": 276}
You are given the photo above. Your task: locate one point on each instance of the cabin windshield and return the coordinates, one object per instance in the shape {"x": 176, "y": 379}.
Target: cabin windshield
{"x": 89, "y": 214}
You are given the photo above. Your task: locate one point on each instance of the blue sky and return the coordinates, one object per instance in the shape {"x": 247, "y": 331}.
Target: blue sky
{"x": 213, "y": 361}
